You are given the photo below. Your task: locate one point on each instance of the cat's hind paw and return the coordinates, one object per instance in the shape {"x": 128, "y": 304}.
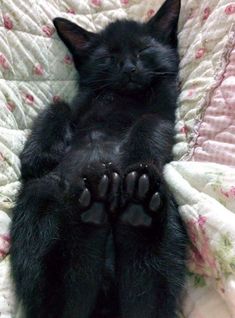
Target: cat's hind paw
{"x": 143, "y": 195}
{"x": 90, "y": 210}
{"x": 138, "y": 188}
{"x": 104, "y": 180}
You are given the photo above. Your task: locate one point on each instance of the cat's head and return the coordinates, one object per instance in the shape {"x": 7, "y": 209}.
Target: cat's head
{"x": 126, "y": 55}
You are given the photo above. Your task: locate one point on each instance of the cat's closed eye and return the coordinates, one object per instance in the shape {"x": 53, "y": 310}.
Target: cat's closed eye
{"x": 142, "y": 51}
{"x": 104, "y": 57}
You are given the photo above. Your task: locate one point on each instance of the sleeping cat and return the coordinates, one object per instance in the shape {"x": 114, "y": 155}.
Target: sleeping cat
{"x": 95, "y": 231}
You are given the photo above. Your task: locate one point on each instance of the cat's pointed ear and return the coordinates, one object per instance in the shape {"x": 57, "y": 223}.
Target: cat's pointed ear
{"x": 75, "y": 38}
{"x": 164, "y": 24}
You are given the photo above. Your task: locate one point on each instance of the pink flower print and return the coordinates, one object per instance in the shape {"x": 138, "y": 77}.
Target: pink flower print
{"x": 207, "y": 254}
{"x": 8, "y": 24}
{"x": 206, "y": 13}
{"x": 197, "y": 258}
{"x": 11, "y": 106}
{"x": 202, "y": 257}
{"x": 56, "y": 99}
{"x": 71, "y": 11}
{"x": 232, "y": 191}
{"x": 48, "y": 30}
{"x": 3, "y": 62}
{"x": 200, "y": 53}
{"x": 4, "y": 245}
{"x": 3, "y": 254}
{"x": 150, "y": 13}
{"x": 191, "y": 231}
{"x": 230, "y": 9}
{"x": 29, "y": 99}
{"x": 225, "y": 193}
{"x": 229, "y": 193}
{"x": 125, "y": 2}
{"x": 68, "y": 59}
{"x": 192, "y": 91}
{"x": 38, "y": 69}
{"x": 184, "y": 130}
{"x": 96, "y": 2}
{"x": 201, "y": 220}
{"x": 6, "y": 237}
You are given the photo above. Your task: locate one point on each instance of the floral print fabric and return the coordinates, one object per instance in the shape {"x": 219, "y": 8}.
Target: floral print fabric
{"x": 205, "y": 193}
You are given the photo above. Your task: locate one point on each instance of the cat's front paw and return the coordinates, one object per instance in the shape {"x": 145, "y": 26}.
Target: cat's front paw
{"x": 143, "y": 195}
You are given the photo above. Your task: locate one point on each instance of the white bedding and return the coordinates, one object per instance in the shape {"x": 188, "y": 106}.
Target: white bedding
{"x": 36, "y": 69}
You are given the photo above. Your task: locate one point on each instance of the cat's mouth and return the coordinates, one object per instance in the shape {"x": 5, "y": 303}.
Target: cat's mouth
{"x": 131, "y": 85}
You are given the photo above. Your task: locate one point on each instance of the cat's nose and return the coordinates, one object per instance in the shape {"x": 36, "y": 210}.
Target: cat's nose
{"x": 129, "y": 68}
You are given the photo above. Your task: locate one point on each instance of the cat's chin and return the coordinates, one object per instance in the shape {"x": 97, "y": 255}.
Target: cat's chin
{"x": 131, "y": 87}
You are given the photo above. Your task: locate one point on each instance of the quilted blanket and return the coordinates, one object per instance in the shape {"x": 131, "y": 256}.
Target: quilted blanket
{"x": 36, "y": 69}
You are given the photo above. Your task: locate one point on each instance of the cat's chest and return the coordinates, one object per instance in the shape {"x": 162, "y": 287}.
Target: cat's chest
{"x": 111, "y": 112}
{"x": 106, "y": 123}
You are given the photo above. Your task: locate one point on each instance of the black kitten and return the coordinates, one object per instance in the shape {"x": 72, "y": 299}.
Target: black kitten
{"x": 95, "y": 231}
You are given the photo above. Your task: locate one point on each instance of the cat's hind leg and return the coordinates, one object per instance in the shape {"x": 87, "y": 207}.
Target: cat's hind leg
{"x": 56, "y": 257}
{"x": 84, "y": 247}
{"x": 86, "y": 232}
{"x": 150, "y": 246}
{"x": 34, "y": 240}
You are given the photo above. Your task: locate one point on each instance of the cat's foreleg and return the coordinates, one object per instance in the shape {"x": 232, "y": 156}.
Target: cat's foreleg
{"x": 149, "y": 235}
{"x": 50, "y": 137}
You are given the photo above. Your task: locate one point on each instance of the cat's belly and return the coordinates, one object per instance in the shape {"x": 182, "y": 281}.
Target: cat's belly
{"x": 106, "y": 152}
{"x": 91, "y": 148}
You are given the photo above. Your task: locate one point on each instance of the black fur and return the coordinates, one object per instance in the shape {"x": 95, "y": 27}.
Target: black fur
{"x": 95, "y": 231}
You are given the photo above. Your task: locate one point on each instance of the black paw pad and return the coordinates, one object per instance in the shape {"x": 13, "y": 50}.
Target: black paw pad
{"x": 116, "y": 180}
{"x": 130, "y": 182}
{"x": 143, "y": 186}
{"x": 135, "y": 215}
{"x": 103, "y": 187}
{"x": 85, "y": 198}
{"x": 95, "y": 215}
{"x": 116, "y": 183}
{"x": 155, "y": 202}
